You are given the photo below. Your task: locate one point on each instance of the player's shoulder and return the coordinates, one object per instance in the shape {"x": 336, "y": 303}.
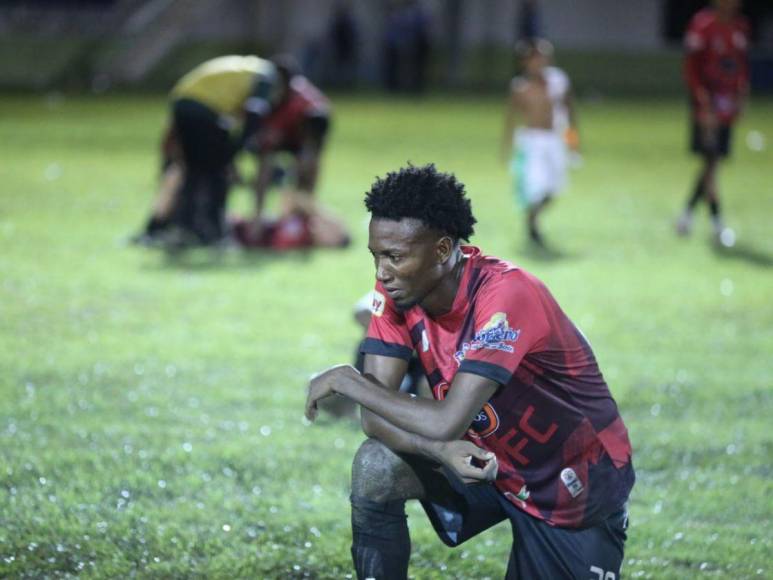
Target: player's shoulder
{"x": 702, "y": 20}
{"x": 742, "y": 24}
{"x": 497, "y": 274}
{"x": 303, "y": 89}
{"x": 556, "y": 78}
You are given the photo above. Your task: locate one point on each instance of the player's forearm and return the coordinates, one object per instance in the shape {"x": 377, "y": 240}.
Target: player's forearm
{"x": 425, "y": 417}
{"x": 395, "y": 438}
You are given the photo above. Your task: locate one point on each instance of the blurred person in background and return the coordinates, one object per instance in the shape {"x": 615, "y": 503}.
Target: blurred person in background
{"x": 302, "y": 223}
{"x": 717, "y": 76}
{"x": 295, "y": 129}
{"x": 344, "y": 38}
{"x": 528, "y": 20}
{"x": 522, "y": 426}
{"x": 541, "y": 100}
{"x": 216, "y": 108}
{"x": 170, "y": 180}
{"x": 407, "y": 46}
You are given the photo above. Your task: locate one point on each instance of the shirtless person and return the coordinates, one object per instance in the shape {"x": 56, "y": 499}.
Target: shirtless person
{"x": 542, "y": 99}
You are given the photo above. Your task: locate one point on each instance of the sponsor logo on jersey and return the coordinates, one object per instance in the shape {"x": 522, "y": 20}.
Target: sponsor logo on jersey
{"x": 571, "y": 481}
{"x": 377, "y": 305}
{"x": 496, "y": 334}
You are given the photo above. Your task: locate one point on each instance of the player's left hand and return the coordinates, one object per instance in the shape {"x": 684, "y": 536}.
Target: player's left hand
{"x": 323, "y": 385}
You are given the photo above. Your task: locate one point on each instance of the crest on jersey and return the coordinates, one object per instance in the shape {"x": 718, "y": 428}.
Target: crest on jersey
{"x": 485, "y": 422}
{"x": 496, "y": 334}
{"x": 377, "y": 304}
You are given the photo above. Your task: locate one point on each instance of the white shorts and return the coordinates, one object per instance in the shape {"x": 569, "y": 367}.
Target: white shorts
{"x": 539, "y": 164}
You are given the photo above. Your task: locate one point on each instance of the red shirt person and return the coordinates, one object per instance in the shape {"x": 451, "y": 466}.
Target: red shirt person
{"x": 522, "y": 425}
{"x": 716, "y": 68}
{"x": 297, "y": 126}
{"x": 717, "y": 76}
{"x": 562, "y": 448}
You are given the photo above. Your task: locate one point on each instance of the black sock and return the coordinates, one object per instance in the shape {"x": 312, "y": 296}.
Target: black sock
{"x": 714, "y": 208}
{"x": 381, "y": 546}
{"x": 155, "y": 224}
{"x": 697, "y": 194}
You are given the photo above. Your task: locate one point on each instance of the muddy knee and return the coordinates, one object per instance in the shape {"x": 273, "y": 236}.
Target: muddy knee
{"x": 379, "y": 474}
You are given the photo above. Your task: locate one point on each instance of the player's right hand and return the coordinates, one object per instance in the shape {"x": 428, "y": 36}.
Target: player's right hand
{"x": 468, "y": 461}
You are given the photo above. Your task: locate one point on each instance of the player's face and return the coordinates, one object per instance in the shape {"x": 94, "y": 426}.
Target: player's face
{"x": 407, "y": 259}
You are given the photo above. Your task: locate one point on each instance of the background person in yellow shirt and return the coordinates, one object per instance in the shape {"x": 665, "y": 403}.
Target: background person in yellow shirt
{"x": 216, "y": 108}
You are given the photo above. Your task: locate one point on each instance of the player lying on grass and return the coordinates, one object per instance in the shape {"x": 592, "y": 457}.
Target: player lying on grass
{"x": 522, "y": 425}
{"x": 301, "y": 224}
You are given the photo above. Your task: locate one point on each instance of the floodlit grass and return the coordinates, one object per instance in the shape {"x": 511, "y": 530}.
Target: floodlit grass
{"x": 151, "y": 410}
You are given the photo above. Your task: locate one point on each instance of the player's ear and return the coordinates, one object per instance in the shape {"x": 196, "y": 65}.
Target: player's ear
{"x": 444, "y": 249}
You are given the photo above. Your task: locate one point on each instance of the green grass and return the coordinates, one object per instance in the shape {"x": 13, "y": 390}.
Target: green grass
{"x": 151, "y": 410}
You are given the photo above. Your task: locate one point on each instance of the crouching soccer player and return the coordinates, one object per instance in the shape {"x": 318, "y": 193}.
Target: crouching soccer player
{"x": 522, "y": 425}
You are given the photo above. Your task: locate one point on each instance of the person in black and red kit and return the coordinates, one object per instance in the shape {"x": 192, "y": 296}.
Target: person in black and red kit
{"x": 717, "y": 76}
{"x": 522, "y": 426}
{"x": 298, "y": 125}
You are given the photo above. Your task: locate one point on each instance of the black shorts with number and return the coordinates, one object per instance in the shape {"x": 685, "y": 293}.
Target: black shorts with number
{"x": 714, "y": 143}
{"x": 458, "y": 512}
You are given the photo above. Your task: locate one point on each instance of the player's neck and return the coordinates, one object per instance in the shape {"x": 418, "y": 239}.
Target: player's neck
{"x": 441, "y": 300}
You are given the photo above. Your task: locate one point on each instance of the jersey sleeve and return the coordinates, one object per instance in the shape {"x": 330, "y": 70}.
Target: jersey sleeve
{"x": 510, "y": 321}
{"x": 387, "y": 332}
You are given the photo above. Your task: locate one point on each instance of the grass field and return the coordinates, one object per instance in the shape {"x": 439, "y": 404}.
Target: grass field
{"x": 151, "y": 410}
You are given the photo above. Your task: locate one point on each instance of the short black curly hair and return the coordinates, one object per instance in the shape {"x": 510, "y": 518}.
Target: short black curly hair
{"x": 435, "y": 198}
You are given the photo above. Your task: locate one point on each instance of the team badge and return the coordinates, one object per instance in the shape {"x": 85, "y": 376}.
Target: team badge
{"x": 496, "y": 334}
{"x": 377, "y": 305}
{"x": 485, "y": 422}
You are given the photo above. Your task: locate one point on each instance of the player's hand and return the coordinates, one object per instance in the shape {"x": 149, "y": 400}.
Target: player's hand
{"x": 468, "y": 461}
{"x": 323, "y": 385}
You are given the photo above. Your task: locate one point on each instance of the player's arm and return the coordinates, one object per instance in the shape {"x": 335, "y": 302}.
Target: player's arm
{"x": 442, "y": 420}
{"x": 572, "y": 133}
{"x": 695, "y": 50}
{"x": 256, "y": 108}
{"x": 388, "y": 372}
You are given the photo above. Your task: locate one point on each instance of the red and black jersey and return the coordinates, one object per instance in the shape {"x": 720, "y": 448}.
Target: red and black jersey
{"x": 563, "y": 450}
{"x": 283, "y": 127}
{"x": 716, "y": 67}
{"x": 289, "y": 232}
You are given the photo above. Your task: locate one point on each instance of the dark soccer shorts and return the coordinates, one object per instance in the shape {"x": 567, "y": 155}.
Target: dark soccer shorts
{"x": 458, "y": 512}
{"x": 715, "y": 143}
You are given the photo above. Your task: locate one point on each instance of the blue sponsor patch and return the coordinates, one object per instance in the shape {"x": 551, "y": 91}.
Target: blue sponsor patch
{"x": 495, "y": 335}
